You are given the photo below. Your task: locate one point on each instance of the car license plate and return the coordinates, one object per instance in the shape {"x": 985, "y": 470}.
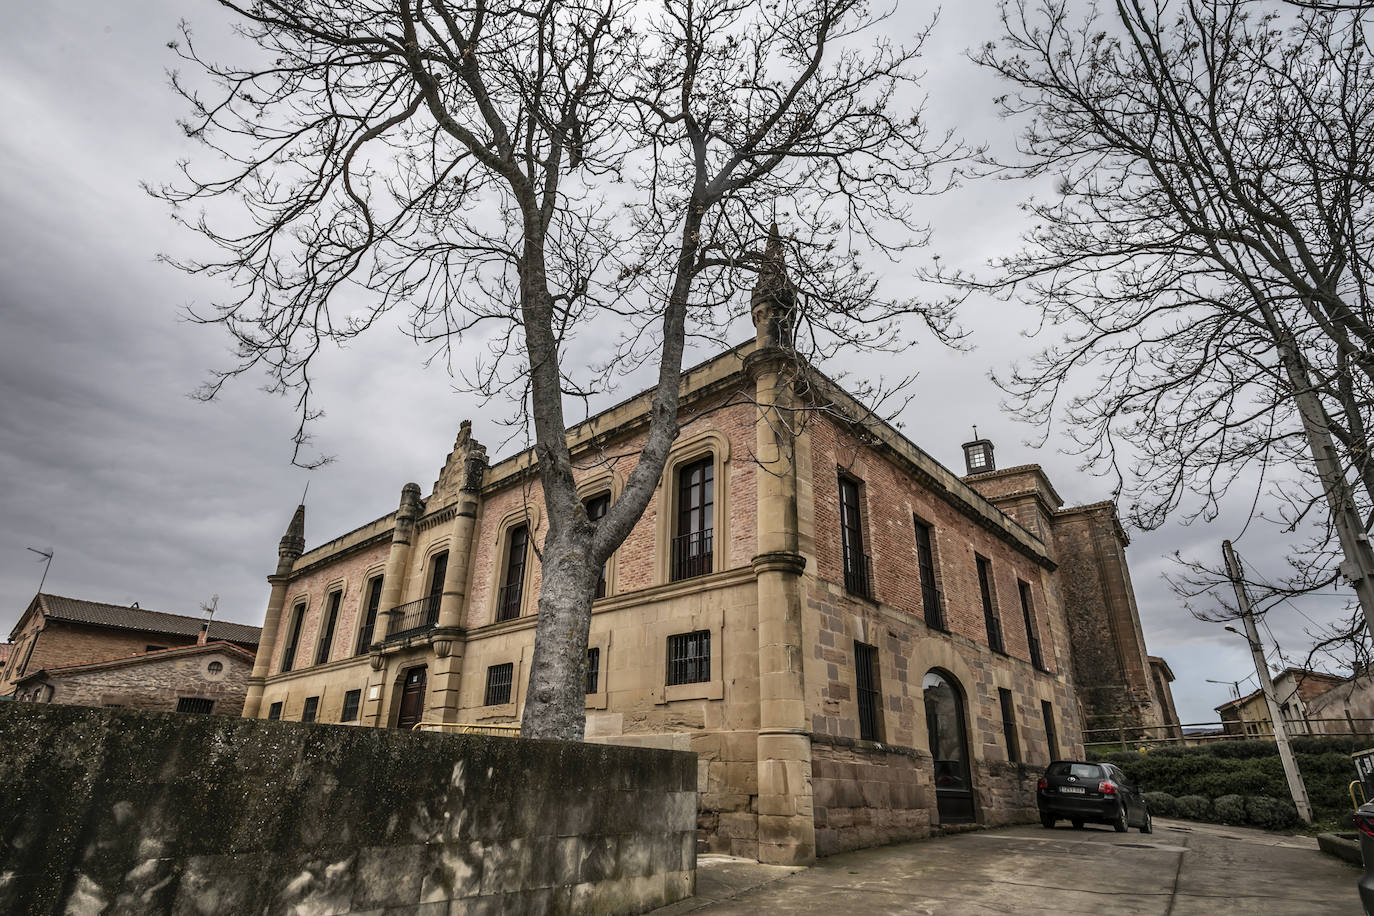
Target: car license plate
{"x": 1073, "y": 790}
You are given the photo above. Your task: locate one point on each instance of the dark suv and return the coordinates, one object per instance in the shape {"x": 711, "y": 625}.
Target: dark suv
{"x": 1081, "y": 792}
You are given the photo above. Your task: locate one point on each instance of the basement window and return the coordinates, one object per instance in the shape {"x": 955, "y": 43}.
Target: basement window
{"x": 352, "y": 700}
{"x": 499, "y": 681}
{"x": 312, "y": 708}
{"x": 194, "y": 704}
{"x": 593, "y": 670}
{"x": 689, "y": 658}
{"x": 274, "y": 711}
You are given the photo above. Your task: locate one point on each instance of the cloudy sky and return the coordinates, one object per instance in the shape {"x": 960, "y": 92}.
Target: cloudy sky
{"x": 146, "y": 495}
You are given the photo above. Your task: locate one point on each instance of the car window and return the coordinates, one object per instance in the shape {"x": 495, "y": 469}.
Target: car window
{"x": 1078, "y": 770}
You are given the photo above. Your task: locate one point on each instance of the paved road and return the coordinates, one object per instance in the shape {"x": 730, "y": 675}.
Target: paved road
{"x": 1182, "y": 869}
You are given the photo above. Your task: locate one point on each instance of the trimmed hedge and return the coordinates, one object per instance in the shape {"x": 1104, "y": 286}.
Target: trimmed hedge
{"x": 1242, "y": 782}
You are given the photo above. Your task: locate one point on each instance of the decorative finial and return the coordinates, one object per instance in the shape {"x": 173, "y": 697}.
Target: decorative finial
{"x": 975, "y": 431}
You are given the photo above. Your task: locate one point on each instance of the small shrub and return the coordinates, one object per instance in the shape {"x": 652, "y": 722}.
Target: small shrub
{"x": 1195, "y": 808}
{"x": 1229, "y": 810}
{"x": 1161, "y": 804}
{"x": 1270, "y": 813}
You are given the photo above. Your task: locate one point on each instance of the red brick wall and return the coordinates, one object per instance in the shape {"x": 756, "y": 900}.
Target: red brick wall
{"x": 62, "y": 643}
{"x": 351, "y": 572}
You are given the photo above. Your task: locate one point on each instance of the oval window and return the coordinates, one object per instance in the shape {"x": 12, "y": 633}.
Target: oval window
{"x": 216, "y": 667}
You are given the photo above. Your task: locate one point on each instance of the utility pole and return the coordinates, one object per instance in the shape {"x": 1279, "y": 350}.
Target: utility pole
{"x": 1290, "y": 763}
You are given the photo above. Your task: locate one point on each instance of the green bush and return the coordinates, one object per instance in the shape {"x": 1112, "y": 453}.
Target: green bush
{"x": 1195, "y": 808}
{"x": 1229, "y": 810}
{"x": 1161, "y": 804}
{"x": 1270, "y": 813}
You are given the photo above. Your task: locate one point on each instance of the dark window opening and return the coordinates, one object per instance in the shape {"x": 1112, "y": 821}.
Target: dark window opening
{"x": 499, "y": 680}
{"x": 154, "y": 648}
{"x": 689, "y": 658}
{"x": 597, "y": 507}
{"x": 312, "y": 707}
{"x": 994, "y": 625}
{"x": 352, "y": 700}
{"x": 215, "y": 667}
{"x": 274, "y": 711}
{"x": 288, "y": 658}
{"x": 513, "y": 587}
{"x": 1051, "y": 739}
{"x": 1009, "y": 725}
{"x": 858, "y": 566}
{"x": 593, "y": 669}
{"x": 1032, "y": 637}
{"x": 925, "y": 563}
{"x": 194, "y": 704}
{"x": 331, "y": 620}
{"x": 693, "y": 549}
{"x": 869, "y": 695}
{"x": 374, "y": 600}
{"x": 438, "y": 567}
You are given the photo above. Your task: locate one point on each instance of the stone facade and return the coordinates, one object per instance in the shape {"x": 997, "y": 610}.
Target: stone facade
{"x": 210, "y": 678}
{"x": 815, "y": 631}
{"x": 119, "y": 811}
{"x": 1295, "y": 689}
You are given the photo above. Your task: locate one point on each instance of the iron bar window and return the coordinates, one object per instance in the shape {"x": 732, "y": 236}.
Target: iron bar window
{"x": 513, "y": 587}
{"x": 593, "y": 670}
{"x": 990, "y": 619}
{"x": 274, "y": 711}
{"x": 868, "y": 694}
{"x": 330, "y": 622}
{"x": 692, "y": 548}
{"x": 858, "y": 566}
{"x": 312, "y": 707}
{"x": 1009, "y": 725}
{"x": 288, "y": 658}
{"x": 352, "y": 700}
{"x": 689, "y": 658}
{"x": 194, "y": 704}
{"x": 597, "y": 507}
{"x": 925, "y": 565}
{"x": 369, "y": 627}
{"x": 1028, "y": 614}
{"x": 499, "y": 681}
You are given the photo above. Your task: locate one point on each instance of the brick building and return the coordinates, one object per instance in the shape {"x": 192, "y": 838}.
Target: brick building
{"x": 1294, "y": 690}
{"x": 857, "y": 642}
{"x": 209, "y": 678}
{"x": 57, "y": 632}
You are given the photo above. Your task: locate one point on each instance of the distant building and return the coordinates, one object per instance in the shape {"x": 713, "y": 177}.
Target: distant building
{"x": 56, "y": 632}
{"x": 210, "y": 678}
{"x": 6, "y": 651}
{"x": 1294, "y": 688}
{"x": 1344, "y": 708}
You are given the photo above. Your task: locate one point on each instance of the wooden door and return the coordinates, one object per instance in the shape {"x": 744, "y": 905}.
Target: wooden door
{"x": 412, "y": 699}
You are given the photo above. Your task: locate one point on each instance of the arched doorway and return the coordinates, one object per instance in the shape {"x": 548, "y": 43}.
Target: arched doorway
{"x": 949, "y": 747}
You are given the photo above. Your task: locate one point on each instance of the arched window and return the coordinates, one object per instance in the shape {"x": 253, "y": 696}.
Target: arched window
{"x": 944, "y": 703}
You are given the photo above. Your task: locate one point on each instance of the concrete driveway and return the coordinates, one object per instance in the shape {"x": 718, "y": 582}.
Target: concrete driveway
{"x": 1182, "y": 869}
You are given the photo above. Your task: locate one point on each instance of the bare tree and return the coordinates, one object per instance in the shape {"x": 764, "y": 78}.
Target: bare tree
{"x": 1206, "y": 254}
{"x": 517, "y": 168}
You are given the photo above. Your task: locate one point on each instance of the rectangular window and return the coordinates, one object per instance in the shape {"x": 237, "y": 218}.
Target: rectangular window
{"x": 869, "y": 695}
{"x": 597, "y": 507}
{"x": 194, "y": 704}
{"x": 994, "y": 625}
{"x": 352, "y": 700}
{"x": 312, "y": 707}
{"x": 693, "y": 549}
{"x": 369, "y": 627}
{"x": 593, "y": 669}
{"x": 858, "y": 569}
{"x": 331, "y": 620}
{"x": 499, "y": 680}
{"x": 274, "y": 711}
{"x": 1009, "y": 725}
{"x": 925, "y": 564}
{"x": 1028, "y": 614}
{"x": 513, "y": 583}
{"x": 1051, "y": 737}
{"x": 438, "y": 567}
{"x": 288, "y": 658}
{"x": 689, "y": 658}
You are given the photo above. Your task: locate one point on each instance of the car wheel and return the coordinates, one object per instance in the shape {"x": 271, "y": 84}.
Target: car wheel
{"x": 1147, "y": 824}
{"x": 1119, "y": 825}
{"x": 1047, "y": 821}
{"x": 1077, "y": 824}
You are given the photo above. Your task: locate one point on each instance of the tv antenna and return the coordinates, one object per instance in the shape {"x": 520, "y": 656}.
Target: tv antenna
{"x": 46, "y": 556}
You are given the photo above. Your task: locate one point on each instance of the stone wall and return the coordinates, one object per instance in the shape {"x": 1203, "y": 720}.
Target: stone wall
{"x": 122, "y": 812}
{"x": 868, "y": 796}
{"x": 1006, "y": 792}
{"x": 153, "y": 682}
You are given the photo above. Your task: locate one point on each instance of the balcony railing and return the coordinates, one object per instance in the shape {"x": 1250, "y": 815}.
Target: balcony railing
{"x": 692, "y": 554}
{"x": 508, "y": 601}
{"x": 858, "y": 574}
{"x": 412, "y": 618}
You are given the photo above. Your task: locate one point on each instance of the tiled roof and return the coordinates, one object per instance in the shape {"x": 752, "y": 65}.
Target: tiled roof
{"x": 133, "y": 618}
{"x": 141, "y": 657}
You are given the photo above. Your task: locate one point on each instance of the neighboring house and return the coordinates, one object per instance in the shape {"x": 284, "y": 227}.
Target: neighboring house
{"x": 1344, "y": 708}
{"x": 6, "y": 651}
{"x": 1294, "y": 688}
{"x": 856, "y": 642}
{"x": 1162, "y": 676}
{"x": 56, "y": 632}
{"x": 210, "y": 678}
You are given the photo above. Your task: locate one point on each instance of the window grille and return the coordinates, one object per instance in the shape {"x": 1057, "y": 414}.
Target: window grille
{"x": 312, "y": 708}
{"x": 869, "y": 694}
{"x": 858, "y": 566}
{"x": 593, "y": 669}
{"x": 689, "y": 658}
{"x": 215, "y": 667}
{"x": 369, "y": 627}
{"x": 990, "y": 619}
{"x": 925, "y": 564}
{"x": 693, "y": 549}
{"x": 1009, "y": 725}
{"x": 194, "y": 704}
{"x": 508, "y": 600}
{"x": 499, "y": 680}
{"x": 352, "y": 700}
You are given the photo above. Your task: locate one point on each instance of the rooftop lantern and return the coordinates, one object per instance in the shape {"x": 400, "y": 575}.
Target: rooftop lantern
{"x": 978, "y": 455}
